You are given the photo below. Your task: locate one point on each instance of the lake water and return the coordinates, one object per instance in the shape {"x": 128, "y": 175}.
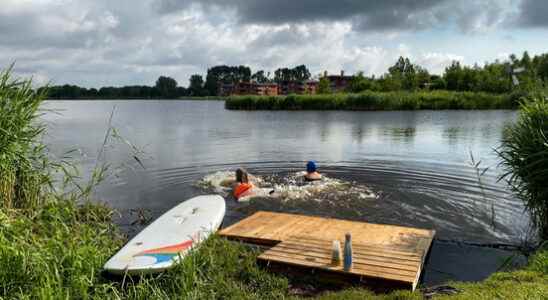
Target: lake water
{"x": 418, "y": 163}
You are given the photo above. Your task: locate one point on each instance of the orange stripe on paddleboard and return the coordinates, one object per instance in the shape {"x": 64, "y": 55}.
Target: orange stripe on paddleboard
{"x": 169, "y": 249}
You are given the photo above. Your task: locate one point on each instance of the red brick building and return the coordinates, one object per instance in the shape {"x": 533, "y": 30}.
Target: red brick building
{"x": 266, "y": 89}
{"x": 294, "y": 87}
{"x": 248, "y": 88}
{"x": 339, "y": 83}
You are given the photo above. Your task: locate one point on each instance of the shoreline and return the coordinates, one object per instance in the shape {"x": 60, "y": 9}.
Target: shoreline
{"x": 140, "y": 99}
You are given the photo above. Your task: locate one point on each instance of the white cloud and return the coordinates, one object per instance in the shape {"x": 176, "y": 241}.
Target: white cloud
{"x": 103, "y": 42}
{"x": 437, "y": 62}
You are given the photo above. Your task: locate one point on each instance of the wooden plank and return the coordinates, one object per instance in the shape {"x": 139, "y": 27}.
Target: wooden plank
{"x": 392, "y": 267}
{"x": 265, "y": 225}
{"x": 357, "y": 271}
{"x": 363, "y": 247}
{"x": 358, "y": 256}
{"x": 358, "y": 250}
{"x": 381, "y": 252}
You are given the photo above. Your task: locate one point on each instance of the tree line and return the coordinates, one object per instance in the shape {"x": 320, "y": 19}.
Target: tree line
{"x": 497, "y": 77}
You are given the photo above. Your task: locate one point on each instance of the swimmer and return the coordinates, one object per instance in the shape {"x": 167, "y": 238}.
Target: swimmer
{"x": 311, "y": 172}
{"x": 243, "y": 187}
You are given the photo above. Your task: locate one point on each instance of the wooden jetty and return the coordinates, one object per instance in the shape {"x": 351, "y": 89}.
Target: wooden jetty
{"x": 386, "y": 255}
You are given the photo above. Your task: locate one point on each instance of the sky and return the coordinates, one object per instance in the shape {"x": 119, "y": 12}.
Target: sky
{"x": 96, "y": 43}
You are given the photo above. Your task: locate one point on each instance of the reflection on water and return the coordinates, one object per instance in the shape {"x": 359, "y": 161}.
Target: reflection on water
{"x": 416, "y": 163}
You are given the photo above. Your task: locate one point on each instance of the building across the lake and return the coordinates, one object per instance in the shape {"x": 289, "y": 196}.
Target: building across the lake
{"x": 268, "y": 89}
{"x": 339, "y": 83}
{"x": 309, "y": 87}
{"x": 248, "y": 88}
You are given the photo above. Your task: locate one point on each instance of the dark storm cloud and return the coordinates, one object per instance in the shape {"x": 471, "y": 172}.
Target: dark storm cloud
{"x": 368, "y": 15}
{"x": 533, "y": 13}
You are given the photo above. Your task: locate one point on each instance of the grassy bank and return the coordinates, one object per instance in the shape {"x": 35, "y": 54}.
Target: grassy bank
{"x": 376, "y": 101}
{"x": 57, "y": 252}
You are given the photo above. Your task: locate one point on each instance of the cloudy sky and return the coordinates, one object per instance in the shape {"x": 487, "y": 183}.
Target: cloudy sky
{"x": 121, "y": 42}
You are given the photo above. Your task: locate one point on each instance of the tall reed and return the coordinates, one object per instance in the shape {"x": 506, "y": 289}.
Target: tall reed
{"x": 22, "y": 158}
{"x": 524, "y": 154}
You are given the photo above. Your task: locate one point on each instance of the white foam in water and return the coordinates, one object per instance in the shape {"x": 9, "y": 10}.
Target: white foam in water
{"x": 292, "y": 187}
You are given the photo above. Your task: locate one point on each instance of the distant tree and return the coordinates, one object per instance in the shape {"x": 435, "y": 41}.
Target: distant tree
{"x": 422, "y": 78}
{"x": 361, "y": 83}
{"x": 402, "y": 66}
{"x": 196, "y": 86}
{"x": 389, "y": 83}
{"x": 301, "y": 73}
{"x": 181, "y": 91}
{"x": 437, "y": 83}
{"x": 167, "y": 86}
{"x": 225, "y": 74}
{"x": 324, "y": 86}
{"x": 260, "y": 77}
{"x": 282, "y": 74}
{"x": 542, "y": 67}
{"x": 526, "y": 60}
{"x": 452, "y": 76}
{"x": 298, "y": 73}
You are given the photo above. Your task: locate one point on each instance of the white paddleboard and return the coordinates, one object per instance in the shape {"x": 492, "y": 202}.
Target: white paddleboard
{"x": 161, "y": 244}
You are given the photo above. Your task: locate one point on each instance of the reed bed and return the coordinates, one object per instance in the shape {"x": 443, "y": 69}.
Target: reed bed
{"x": 22, "y": 161}
{"x": 376, "y": 101}
{"x": 524, "y": 154}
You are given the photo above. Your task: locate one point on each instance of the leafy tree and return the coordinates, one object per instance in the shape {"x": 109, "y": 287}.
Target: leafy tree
{"x": 282, "y": 74}
{"x": 167, "y": 86}
{"x": 423, "y": 78}
{"x": 361, "y": 83}
{"x": 453, "y": 75}
{"x": 196, "y": 87}
{"x": 299, "y": 74}
{"x": 389, "y": 83}
{"x": 324, "y": 86}
{"x": 437, "y": 83}
{"x": 260, "y": 77}
{"x": 225, "y": 74}
{"x": 410, "y": 76}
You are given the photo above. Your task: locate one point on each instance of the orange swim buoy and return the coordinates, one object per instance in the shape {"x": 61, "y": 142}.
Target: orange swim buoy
{"x": 241, "y": 189}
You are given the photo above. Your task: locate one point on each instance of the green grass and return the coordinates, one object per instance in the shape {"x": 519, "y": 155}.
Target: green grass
{"x": 58, "y": 251}
{"x": 376, "y": 101}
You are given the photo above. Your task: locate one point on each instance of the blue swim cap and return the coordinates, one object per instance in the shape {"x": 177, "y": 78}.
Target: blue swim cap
{"x": 311, "y": 167}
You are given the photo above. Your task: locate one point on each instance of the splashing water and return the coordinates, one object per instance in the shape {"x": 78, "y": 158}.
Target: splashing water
{"x": 292, "y": 187}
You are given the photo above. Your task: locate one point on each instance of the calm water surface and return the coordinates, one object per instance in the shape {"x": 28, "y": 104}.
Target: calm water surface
{"x": 417, "y": 162}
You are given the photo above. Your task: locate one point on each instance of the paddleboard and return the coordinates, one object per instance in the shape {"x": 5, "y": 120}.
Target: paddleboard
{"x": 169, "y": 238}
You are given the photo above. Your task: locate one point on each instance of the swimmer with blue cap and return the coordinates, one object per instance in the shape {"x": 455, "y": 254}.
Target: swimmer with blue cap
{"x": 311, "y": 172}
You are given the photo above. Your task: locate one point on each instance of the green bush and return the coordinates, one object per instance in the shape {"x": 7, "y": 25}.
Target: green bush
{"x": 370, "y": 100}
{"x": 524, "y": 153}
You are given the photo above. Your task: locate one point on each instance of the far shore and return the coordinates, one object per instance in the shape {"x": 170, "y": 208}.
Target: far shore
{"x": 374, "y": 101}
{"x": 203, "y": 98}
